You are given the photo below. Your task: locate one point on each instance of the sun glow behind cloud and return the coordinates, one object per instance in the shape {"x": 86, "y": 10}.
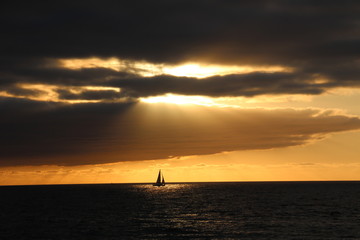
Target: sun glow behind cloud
{"x": 264, "y": 101}
{"x": 86, "y": 94}
{"x": 203, "y": 71}
{"x": 146, "y": 69}
{"x": 180, "y": 99}
{"x": 47, "y": 92}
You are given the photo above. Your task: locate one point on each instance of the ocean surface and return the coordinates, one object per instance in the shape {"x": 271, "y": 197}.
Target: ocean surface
{"x": 272, "y": 210}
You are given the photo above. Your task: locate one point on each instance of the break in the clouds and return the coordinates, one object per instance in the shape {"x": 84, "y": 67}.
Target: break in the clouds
{"x": 318, "y": 41}
{"x": 37, "y": 133}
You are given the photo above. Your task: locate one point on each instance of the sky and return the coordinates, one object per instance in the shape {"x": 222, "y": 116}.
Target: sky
{"x": 215, "y": 90}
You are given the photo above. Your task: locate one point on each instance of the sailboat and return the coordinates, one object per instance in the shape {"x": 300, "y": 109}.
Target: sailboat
{"x": 160, "y": 180}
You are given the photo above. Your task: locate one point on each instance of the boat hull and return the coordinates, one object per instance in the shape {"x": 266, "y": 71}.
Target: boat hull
{"x": 159, "y": 185}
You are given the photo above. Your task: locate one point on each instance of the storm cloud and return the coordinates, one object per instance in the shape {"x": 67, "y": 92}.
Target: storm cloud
{"x": 318, "y": 40}
{"x": 35, "y": 133}
{"x": 163, "y": 31}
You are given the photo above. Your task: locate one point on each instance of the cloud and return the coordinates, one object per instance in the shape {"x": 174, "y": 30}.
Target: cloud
{"x": 162, "y": 31}
{"x": 250, "y": 84}
{"x": 89, "y": 95}
{"x": 36, "y": 133}
{"x": 135, "y": 86}
{"x": 320, "y": 41}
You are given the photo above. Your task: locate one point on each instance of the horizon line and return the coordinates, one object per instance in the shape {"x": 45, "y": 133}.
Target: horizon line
{"x": 146, "y": 183}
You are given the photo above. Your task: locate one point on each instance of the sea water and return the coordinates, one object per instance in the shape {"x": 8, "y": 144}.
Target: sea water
{"x": 273, "y": 210}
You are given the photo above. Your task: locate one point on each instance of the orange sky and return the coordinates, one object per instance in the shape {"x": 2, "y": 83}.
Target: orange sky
{"x": 324, "y": 156}
{"x": 324, "y": 160}
{"x": 102, "y": 93}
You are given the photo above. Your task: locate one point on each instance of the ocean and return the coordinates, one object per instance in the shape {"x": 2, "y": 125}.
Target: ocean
{"x": 258, "y": 210}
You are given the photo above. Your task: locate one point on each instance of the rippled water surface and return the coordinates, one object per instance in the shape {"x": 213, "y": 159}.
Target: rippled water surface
{"x": 294, "y": 210}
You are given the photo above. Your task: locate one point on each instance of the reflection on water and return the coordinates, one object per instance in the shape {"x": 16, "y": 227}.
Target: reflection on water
{"x": 182, "y": 211}
{"x": 167, "y": 188}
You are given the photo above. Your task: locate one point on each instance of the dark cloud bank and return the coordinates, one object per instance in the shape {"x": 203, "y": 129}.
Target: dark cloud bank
{"x": 35, "y": 133}
{"x": 319, "y": 40}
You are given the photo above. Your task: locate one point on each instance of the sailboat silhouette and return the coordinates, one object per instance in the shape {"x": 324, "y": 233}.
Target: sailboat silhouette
{"x": 160, "y": 180}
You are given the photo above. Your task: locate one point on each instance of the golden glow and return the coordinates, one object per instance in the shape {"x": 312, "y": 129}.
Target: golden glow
{"x": 204, "y": 71}
{"x": 180, "y": 99}
{"x": 44, "y": 92}
{"x": 335, "y": 99}
{"x": 97, "y": 88}
{"x": 49, "y": 93}
{"x": 136, "y": 67}
{"x": 147, "y": 69}
{"x": 6, "y": 94}
{"x": 78, "y": 63}
{"x": 235, "y": 102}
{"x": 325, "y": 160}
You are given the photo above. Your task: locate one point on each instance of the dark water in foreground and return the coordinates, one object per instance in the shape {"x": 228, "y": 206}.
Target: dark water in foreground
{"x": 294, "y": 210}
